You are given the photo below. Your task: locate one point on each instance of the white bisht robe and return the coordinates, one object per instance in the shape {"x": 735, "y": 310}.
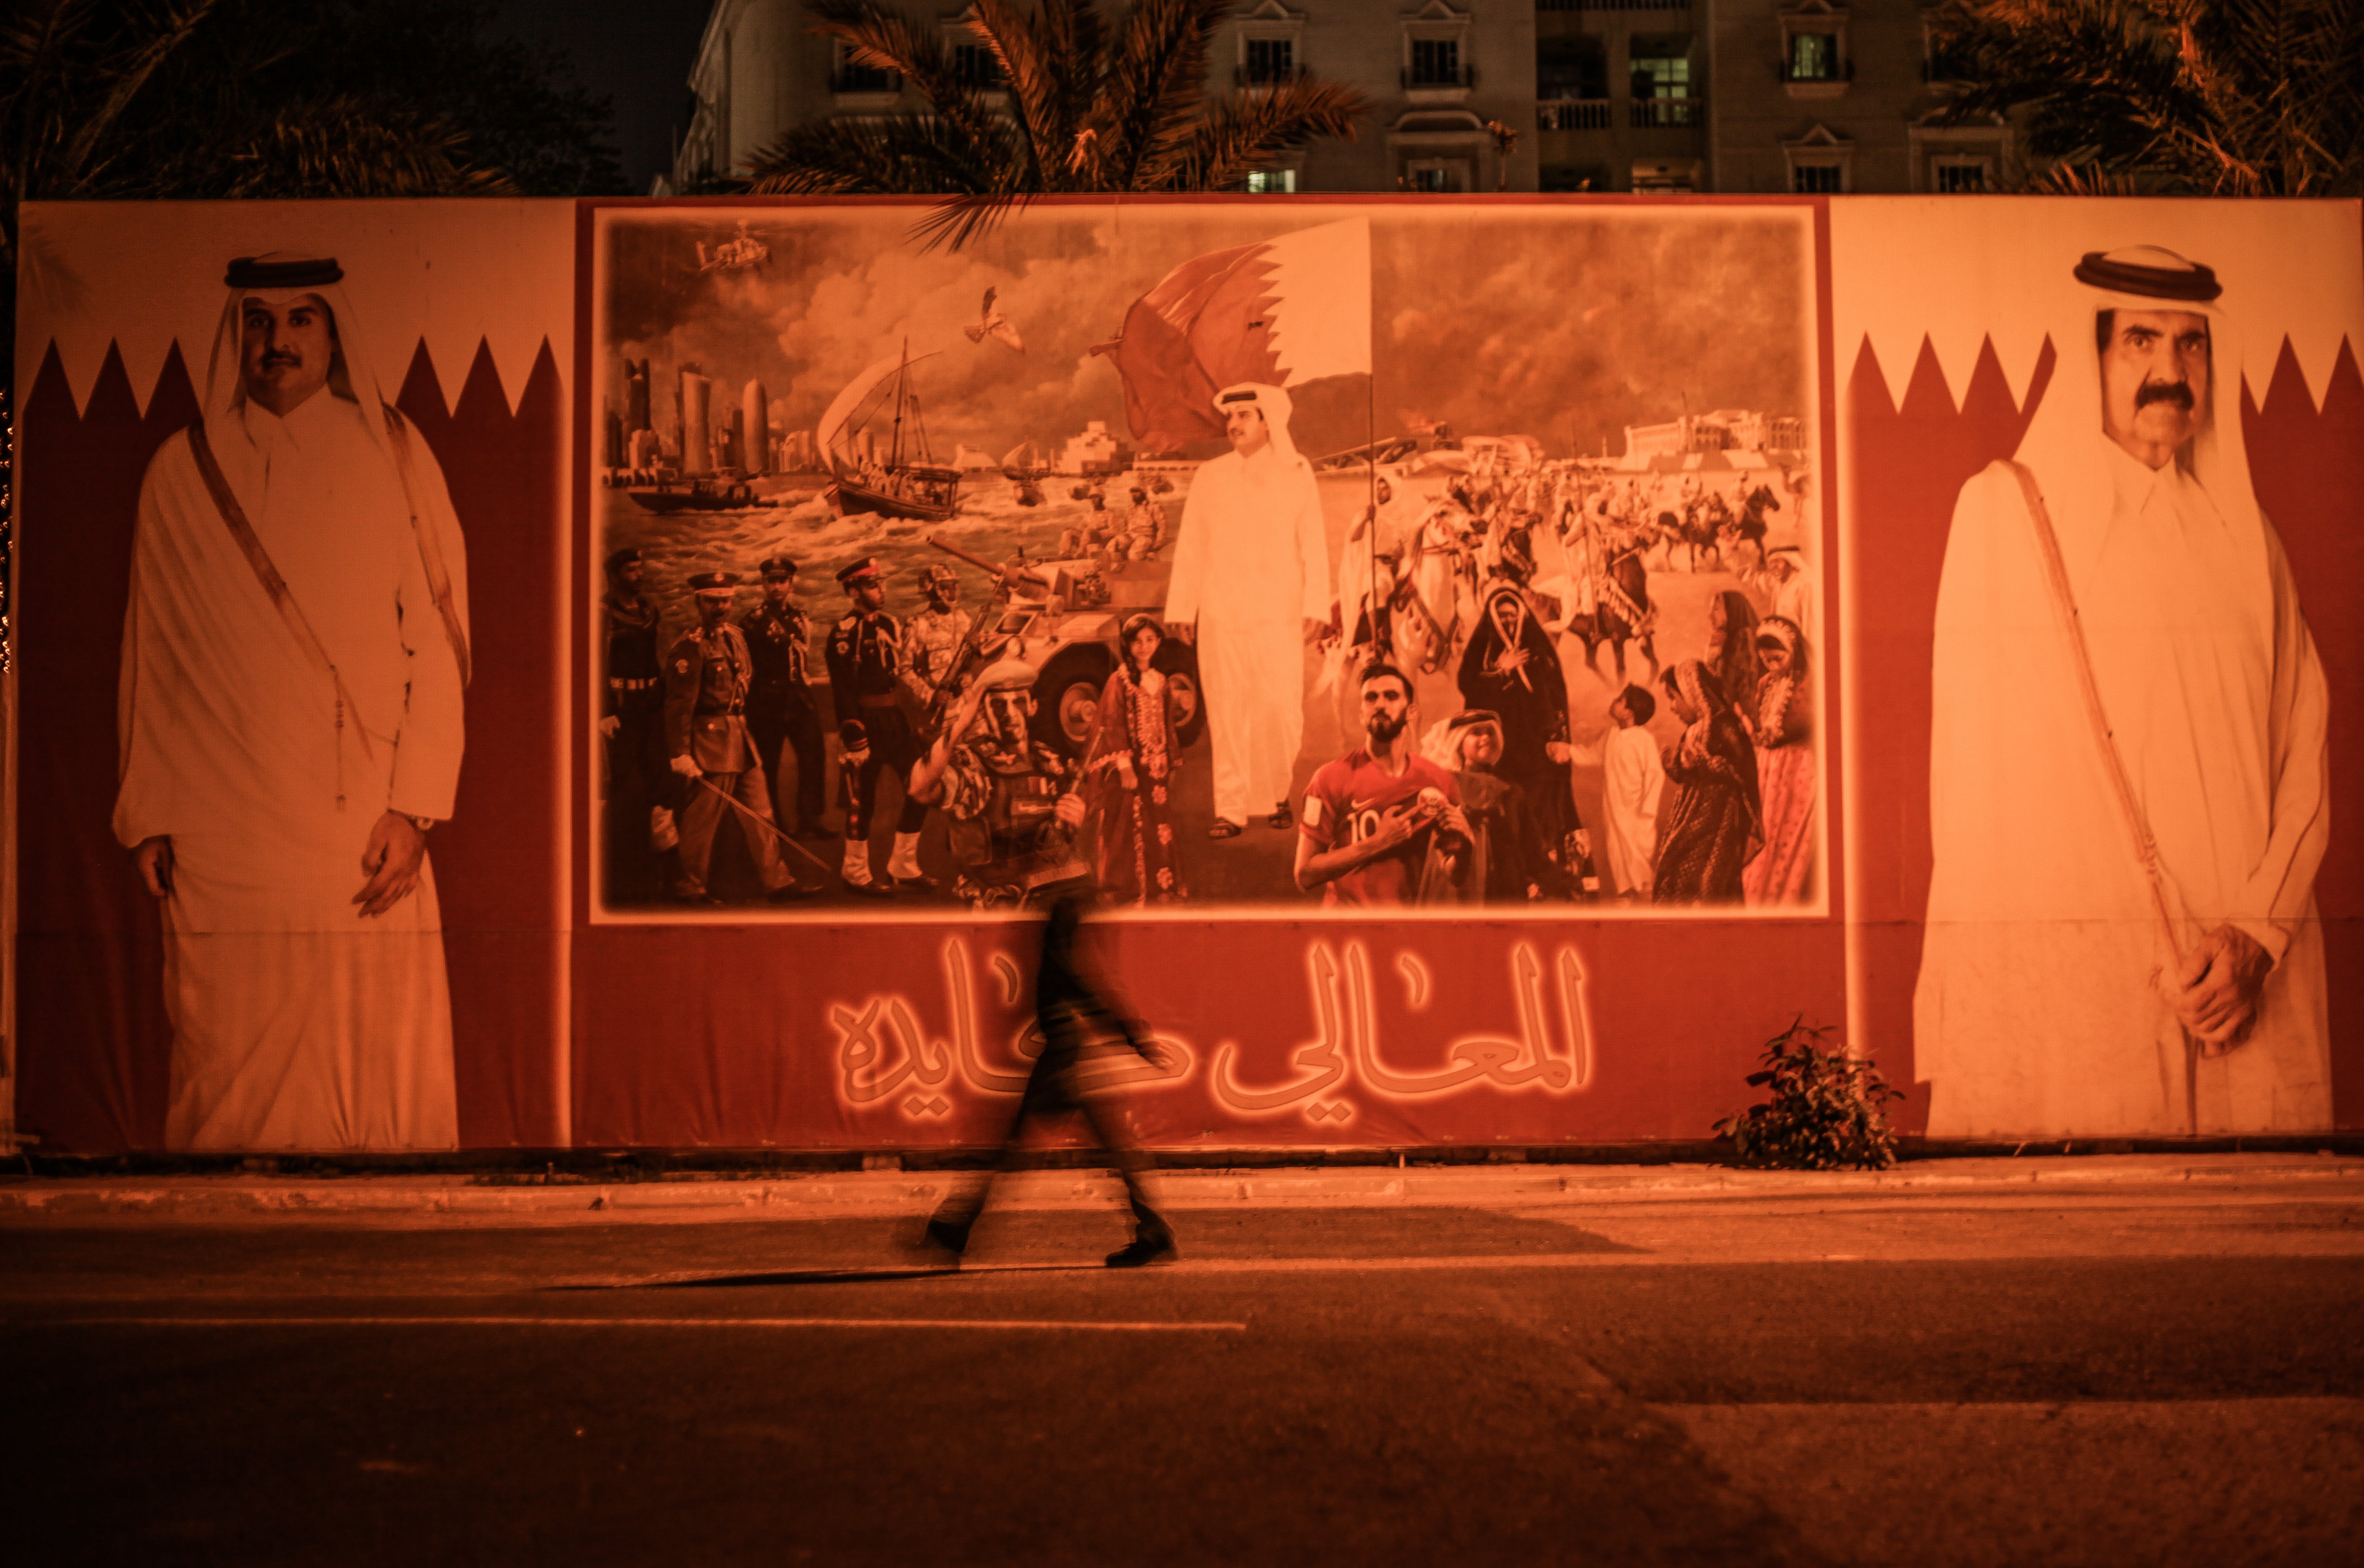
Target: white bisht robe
{"x": 1251, "y": 568}
{"x": 2036, "y": 1011}
{"x": 1633, "y": 777}
{"x": 297, "y": 1024}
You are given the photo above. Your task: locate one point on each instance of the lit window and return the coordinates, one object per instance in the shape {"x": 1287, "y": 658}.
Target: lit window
{"x": 1662, "y": 76}
{"x": 1814, "y": 57}
{"x": 1272, "y": 183}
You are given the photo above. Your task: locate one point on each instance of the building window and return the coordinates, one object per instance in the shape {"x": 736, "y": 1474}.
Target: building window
{"x": 974, "y": 67}
{"x": 1438, "y": 176}
{"x": 1272, "y": 183}
{"x": 1435, "y": 63}
{"x": 1817, "y": 179}
{"x": 1270, "y": 60}
{"x": 1662, "y": 69}
{"x": 848, "y": 78}
{"x": 1814, "y": 57}
{"x": 1959, "y": 176}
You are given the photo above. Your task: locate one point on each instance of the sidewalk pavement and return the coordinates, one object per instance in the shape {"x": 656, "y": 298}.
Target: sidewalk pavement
{"x": 699, "y": 1197}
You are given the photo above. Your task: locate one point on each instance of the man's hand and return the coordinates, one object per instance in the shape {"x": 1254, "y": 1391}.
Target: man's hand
{"x": 686, "y": 766}
{"x": 1559, "y": 752}
{"x": 609, "y": 725}
{"x": 391, "y": 860}
{"x": 1069, "y": 810}
{"x": 2217, "y": 989}
{"x": 152, "y": 858}
{"x": 1454, "y": 823}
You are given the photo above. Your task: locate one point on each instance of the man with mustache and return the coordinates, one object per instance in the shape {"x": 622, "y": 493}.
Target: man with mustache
{"x": 290, "y": 710}
{"x": 2127, "y": 784}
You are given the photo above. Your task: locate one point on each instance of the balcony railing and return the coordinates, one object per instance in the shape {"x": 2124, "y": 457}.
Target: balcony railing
{"x": 1832, "y": 73}
{"x": 1668, "y": 113}
{"x": 1572, "y": 114}
{"x": 861, "y": 78}
{"x": 1417, "y": 79}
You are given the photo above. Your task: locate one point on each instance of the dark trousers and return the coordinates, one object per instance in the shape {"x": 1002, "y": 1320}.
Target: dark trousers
{"x": 892, "y": 745}
{"x": 1050, "y": 1092}
{"x": 638, "y": 780}
{"x": 703, "y": 816}
{"x": 793, "y": 723}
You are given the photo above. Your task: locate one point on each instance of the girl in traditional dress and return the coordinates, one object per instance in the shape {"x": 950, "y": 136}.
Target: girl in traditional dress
{"x": 1129, "y": 777}
{"x": 1785, "y": 766}
{"x": 1732, "y": 649}
{"x": 1711, "y": 823}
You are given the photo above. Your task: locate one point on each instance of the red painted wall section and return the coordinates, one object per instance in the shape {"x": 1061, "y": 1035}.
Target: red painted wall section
{"x": 749, "y": 1036}
{"x": 1908, "y": 463}
{"x": 93, "y": 1042}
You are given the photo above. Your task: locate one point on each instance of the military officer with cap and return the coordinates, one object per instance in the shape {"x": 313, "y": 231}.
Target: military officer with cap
{"x": 780, "y": 710}
{"x": 1012, "y": 803}
{"x": 866, "y": 666}
{"x": 706, "y": 676}
{"x": 632, "y": 723}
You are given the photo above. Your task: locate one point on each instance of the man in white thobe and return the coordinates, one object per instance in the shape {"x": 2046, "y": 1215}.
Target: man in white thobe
{"x": 290, "y": 723}
{"x": 2060, "y": 992}
{"x": 1251, "y": 587}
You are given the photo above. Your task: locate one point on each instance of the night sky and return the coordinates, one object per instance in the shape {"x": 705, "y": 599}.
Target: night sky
{"x": 636, "y": 52}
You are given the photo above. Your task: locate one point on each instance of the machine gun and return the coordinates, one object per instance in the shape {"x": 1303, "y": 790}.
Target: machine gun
{"x": 1015, "y": 578}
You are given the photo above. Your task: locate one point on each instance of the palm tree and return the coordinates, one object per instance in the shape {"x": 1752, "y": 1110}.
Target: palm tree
{"x": 2197, "y": 98}
{"x": 1090, "y": 109}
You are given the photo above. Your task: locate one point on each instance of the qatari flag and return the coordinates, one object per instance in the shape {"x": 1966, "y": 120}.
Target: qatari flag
{"x": 1281, "y": 311}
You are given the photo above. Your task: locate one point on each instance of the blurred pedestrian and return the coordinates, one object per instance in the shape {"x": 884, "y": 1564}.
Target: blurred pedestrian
{"x": 1073, "y": 1015}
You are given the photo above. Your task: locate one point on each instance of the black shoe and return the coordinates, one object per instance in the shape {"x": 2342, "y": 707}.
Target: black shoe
{"x": 953, "y": 1239}
{"x": 920, "y": 884}
{"x": 1143, "y": 1250}
{"x": 792, "y": 893}
{"x": 1223, "y": 829}
{"x": 1280, "y": 817}
{"x": 696, "y": 899}
{"x": 865, "y": 889}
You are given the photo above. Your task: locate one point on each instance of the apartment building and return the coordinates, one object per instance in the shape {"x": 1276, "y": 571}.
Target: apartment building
{"x": 1647, "y": 95}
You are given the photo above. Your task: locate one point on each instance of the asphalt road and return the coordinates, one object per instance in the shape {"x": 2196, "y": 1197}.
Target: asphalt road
{"x": 2114, "y": 1378}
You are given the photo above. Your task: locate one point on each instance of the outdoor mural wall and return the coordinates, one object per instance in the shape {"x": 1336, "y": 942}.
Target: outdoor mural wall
{"x": 1494, "y": 662}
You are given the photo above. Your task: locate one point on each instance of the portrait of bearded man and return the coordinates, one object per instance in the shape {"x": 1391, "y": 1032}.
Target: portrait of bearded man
{"x": 290, "y": 723}
{"x": 2127, "y": 756}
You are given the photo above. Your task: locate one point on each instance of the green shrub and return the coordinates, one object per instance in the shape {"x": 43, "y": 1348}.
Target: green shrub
{"x": 1827, "y": 1113}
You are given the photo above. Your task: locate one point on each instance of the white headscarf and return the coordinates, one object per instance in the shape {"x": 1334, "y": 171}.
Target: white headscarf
{"x": 351, "y": 376}
{"x": 1274, "y": 402}
{"x": 2059, "y": 446}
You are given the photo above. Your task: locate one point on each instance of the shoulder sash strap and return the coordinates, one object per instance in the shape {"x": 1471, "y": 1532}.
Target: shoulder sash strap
{"x": 430, "y": 547}
{"x": 275, "y": 586}
{"x": 2064, "y": 602}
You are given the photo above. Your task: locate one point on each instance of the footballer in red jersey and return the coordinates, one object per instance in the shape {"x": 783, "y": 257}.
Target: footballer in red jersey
{"x": 1381, "y": 825}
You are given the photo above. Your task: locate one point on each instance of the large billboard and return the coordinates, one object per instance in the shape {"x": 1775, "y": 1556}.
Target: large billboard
{"x": 1491, "y": 663}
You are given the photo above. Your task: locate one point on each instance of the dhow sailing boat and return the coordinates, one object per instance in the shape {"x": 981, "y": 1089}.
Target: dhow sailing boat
{"x": 901, "y": 481}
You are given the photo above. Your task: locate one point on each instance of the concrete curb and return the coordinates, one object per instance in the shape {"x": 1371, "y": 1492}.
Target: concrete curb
{"x": 431, "y": 1199}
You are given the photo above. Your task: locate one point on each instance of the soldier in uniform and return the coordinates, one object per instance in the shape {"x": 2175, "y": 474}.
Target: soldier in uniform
{"x": 932, "y": 642}
{"x": 780, "y": 710}
{"x": 631, "y": 721}
{"x": 1013, "y": 807}
{"x": 865, "y": 663}
{"x": 1144, "y": 528}
{"x": 706, "y": 676}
